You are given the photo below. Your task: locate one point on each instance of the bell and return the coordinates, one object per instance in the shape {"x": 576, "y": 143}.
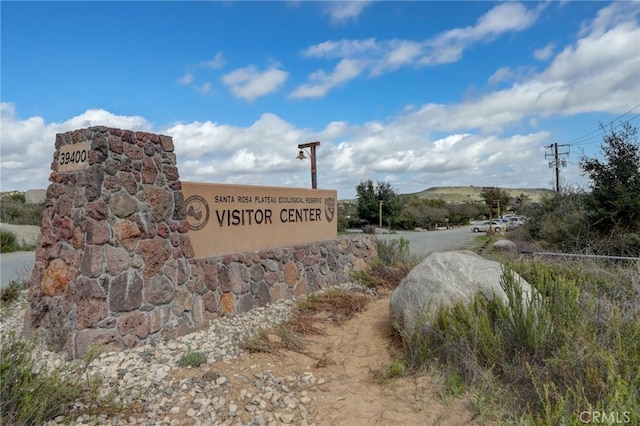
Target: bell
{"x": 301, "y": 155}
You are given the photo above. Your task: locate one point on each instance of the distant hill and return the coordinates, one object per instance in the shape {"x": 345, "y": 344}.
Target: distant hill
{"x": 461, "y": 194}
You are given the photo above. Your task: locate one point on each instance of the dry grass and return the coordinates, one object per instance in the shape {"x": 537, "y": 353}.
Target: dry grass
{"x": 333, "y": 305}
{"x": 304, "y": 323}
{"x": 384, "y": 276}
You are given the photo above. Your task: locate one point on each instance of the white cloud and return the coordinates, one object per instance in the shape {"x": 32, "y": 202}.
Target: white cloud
{"x": 265, "y": 152}
{"x": 502, "y": 18}
{"x": 502, "y": 74}
{"x": 544, "y": 53}
{"x": 100, "y": 117}
{"x": 205, "y": 88}
{"x": 615, "y": 14}
{"x": 249, "y": 83}
{"x": 215, "y": 63}
{"x": 321, "y": 82}
{"x": 341, "y": 48}
{"x": 599, "y": 73}
{"x": 186, "y": 79}
{"x": 341, "y": 11}
{"x": 377, "y": 57}
{"x": 486, "y": 140}
{"x": 28, "y": 145}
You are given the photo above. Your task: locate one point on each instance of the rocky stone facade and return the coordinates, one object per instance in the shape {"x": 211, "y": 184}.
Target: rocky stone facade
{"x": 114, "y": 266}
{"x": 237, "y": 283}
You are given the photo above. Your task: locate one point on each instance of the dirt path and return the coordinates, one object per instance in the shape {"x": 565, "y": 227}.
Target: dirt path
{"x": 347, "y": 358}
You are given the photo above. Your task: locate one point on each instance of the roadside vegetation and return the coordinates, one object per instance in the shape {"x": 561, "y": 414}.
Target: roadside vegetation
{"x": 555, "y": 359}
{"x": 571, "y": 355}
{"x": 33, "y": 395}
{"x": 11, "y": 293}
{"x": 392, "y": 263}
{"x": 9, "y": 243}
{"x": 604, "y": 221}
{"x": 573, "y": 350}
{"x": 14, "y": 210}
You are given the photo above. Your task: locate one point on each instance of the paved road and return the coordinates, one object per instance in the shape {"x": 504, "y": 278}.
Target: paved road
{"x": 15, "y": 266}
{"x": 421, "y": 244}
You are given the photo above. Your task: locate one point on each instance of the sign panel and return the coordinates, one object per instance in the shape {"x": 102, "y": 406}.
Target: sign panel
{"x": 73, "y": 158}
{"x": 227, "y": 218}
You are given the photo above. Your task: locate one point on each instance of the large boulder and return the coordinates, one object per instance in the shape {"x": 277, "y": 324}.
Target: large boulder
{"x": 505, "y": 245}
{"x": 445, "y": 278}
{"x": 35, "y": 196}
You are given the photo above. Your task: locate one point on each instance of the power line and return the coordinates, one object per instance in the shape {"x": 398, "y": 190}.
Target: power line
{"x": 598, "y": 138}
{"x": 558, "y": 158}
{"x": 588, "y": 138}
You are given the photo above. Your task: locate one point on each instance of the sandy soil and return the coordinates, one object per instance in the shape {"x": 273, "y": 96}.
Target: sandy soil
{"x": 348, "y": 358}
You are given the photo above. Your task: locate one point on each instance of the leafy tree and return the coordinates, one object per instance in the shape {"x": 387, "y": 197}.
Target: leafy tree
{"x": 614, "y": 202}
{"x": 462, "y": 213}
{"x": 369, "y": 197}
{"x": 347, "y": 215}
{"x": 423, "y": 213}
{"x": 558, "y": 222}
{"x": 500, "y": 198}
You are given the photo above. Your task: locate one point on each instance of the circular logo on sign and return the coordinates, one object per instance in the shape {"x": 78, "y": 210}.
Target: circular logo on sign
{"x": 329, "y": 208}
{"x": 197, "y": 212}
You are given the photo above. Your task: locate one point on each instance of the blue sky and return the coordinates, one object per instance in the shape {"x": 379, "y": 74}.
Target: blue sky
{"x": 417, "y": 94}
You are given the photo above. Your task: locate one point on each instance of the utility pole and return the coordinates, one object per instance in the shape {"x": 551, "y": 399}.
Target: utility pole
{"x": 556, "y": 162}
{"x": 381, "y": 203}
{"x": 490, "y": 190}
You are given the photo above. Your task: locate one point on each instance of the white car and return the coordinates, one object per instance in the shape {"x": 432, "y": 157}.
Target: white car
{"x": 484, "y": 226}
{"x": 504, "y": 222}
{"x": 514, "y": 222}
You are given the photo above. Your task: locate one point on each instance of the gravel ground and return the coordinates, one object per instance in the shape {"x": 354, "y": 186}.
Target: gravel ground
{"x": 150, "y": 379}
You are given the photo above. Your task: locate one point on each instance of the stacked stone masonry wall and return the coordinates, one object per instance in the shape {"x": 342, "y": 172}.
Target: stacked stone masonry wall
{"x": 114, "y": 266}
{"x": 239, "y": 282}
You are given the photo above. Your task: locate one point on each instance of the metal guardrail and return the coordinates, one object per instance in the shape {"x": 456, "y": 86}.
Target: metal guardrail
{"x": 592, "y": 256}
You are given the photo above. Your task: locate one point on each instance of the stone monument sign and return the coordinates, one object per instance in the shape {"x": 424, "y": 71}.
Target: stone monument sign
{"x": 227, "y": 219}
{"x": 124, "y": 258}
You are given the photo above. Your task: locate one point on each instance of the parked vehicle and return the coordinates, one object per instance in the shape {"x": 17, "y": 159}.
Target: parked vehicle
{"x": 514, "y": 222}
{"x": 484, "y": 226}
{"x": 504, "y": 222}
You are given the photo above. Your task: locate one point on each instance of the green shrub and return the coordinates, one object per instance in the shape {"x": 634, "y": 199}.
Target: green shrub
{"x": 11, "y": 292}
{"x": 19, "y": 197}
{"x": 392, "y": 263}
{"x": 30, "y": 395}
{"x": 572, "y": 348}
{"x": 13, "y": 210}
{"x": 393, "y": 251}
{"x": 8, "y": 242}
{"x": 192, "y": 359}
